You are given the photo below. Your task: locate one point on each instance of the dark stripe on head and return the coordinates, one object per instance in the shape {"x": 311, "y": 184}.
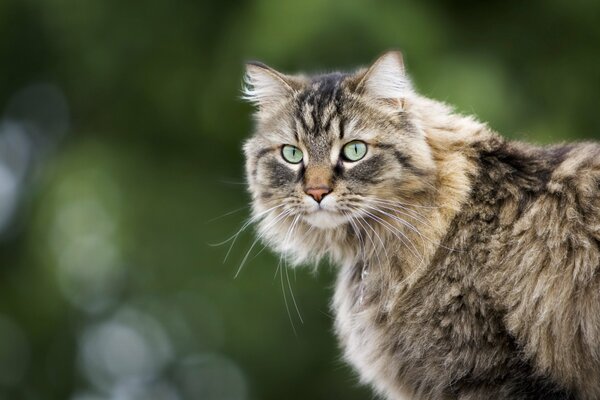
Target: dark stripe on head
{"x": 300, "y": 174}
{"x": 323, "y": 92}
{"x": 327, "y": 123}
{"x": 260, "y": 154}
{"x": 263, "y": 152}
{"x": 328, "y": 87}
{"x": 402, "y": 158}
{"x": 279, "y": 174}
{"x": 341, "y": 127}
{"x": 367, "y": 170}
{"x": 315, "y": 118}
{"x": 406, "y": 162}
{"x": 296, "y": 136}
{"x": 338, "y": 170}
{"x": 300, "y": 118}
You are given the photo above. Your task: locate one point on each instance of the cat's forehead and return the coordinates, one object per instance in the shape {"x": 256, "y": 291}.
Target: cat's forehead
{"x": 318, "y": 108}
{"x": 321, "y": 89}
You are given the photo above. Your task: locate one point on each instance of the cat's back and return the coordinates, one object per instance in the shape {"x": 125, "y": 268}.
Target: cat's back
{"x": 534, "y": 225}
{"x": 577, "y": 178}
{"x": 527, "y": 187}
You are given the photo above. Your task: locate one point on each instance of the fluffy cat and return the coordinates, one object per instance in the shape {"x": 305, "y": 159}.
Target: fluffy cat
{"x": 468, "y": 264}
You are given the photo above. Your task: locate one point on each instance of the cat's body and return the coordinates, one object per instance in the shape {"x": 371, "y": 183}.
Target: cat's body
{"x": 509, "y": 306}
{"x": 469, "y": 265}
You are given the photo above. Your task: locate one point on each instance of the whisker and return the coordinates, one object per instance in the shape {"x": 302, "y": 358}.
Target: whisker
{"x": 230, "y": 182}
{"x": 227, "y": 214}
{"x": 287, "y": 307}
{"x": 259, "y": 252}
{"x": 404, "y": 210}
{"x": 402, "y": 221}
{"x": 395, "y": 202}
{"x": 280, "y": 267}
{"x": 279, "y": 217}
{"x": 356, "y": 232}
{"x": 395, "y": 232}
{"x": 411, "y": 226}
{"x": 287, "y": 276}
{"x": 418, "y": 268}
{"x": 353, "y": 222}
{"x": 244, "y": 226}
{"x": 383, "y": 246}
{"x": 247, "y": 222}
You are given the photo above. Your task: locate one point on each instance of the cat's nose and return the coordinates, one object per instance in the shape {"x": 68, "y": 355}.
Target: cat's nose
{"x": 318, "y": 193}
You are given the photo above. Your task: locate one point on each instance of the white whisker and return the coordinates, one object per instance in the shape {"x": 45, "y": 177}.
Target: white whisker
{"x": 246, "y": 224}
{"x": 227, "y": 214}
{"x": 281, "y": 266}
{"x": 395, "y": 231}
{"x": 279, "y": 217}
{"x": 402, "y": 209}
{"x": 402, "y": 221}
{"x": 287, "y": 276}
{"x": 411, "y": 226}
{"x": 357, "y": 233}
{"x": 358, "y": 220}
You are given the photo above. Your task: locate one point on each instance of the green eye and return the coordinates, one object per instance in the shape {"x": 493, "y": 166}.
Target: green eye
{"x": 354, "y": 150}
{"x": 291, "y": 154}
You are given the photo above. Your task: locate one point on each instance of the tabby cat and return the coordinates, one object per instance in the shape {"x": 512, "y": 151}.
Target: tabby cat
{"x": 469, "y": 265}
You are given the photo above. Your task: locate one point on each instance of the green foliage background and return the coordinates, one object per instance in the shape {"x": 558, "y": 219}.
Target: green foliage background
{"x": 109, "y": 288}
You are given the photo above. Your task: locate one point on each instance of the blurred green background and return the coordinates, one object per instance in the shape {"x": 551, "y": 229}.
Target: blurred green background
{"x": 120, "y": 136}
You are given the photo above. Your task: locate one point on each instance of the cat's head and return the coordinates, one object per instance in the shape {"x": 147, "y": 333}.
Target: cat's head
{"x": 333, "y": 147}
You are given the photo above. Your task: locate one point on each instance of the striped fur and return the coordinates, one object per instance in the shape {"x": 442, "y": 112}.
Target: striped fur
{"x": 468, "y": 264}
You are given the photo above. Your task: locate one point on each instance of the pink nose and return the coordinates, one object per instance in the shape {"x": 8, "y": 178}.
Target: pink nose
{"x": 318, "y": 193}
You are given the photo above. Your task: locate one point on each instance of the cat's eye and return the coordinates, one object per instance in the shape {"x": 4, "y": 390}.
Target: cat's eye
{"x": 354, "y": 150}
{"x": 291, "y": 154}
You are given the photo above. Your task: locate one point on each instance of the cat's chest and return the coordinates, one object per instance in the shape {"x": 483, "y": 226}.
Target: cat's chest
{"x": 401, "y": 341}
{"x": 362, "y": 328}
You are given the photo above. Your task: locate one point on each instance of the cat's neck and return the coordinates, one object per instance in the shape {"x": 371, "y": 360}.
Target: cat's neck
{"x": 454, "y": 141}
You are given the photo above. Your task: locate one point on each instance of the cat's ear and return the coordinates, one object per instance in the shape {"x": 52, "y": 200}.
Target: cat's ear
{"x": 264, "y": 87}
{"x": 386, "y": 78}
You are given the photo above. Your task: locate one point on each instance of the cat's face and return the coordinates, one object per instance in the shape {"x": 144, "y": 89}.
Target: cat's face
{"x": 335, "y": 147}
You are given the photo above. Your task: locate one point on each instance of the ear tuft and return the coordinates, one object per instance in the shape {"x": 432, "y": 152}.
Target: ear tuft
{"x": 263, "y": 86}
{"x": 386, "y": 78}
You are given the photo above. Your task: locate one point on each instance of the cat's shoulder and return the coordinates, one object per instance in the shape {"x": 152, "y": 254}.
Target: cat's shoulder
{"x": 565, "y": 167}
{"x": 579, "y": 170}
{"x": 576, "y": 181}
{"x": 578, "y": 158}
{"x": 566, "y": 176}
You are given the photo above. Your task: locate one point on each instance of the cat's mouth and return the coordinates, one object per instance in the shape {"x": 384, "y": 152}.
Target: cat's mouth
{"x": 323, "y": 214}
{"x": 325, "y": 219}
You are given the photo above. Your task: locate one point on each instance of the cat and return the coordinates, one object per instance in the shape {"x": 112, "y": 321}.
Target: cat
{"x": 469, "y": 265}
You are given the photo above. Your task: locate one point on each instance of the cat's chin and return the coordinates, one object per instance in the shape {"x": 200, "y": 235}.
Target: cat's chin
{"x": 323, "y": 219}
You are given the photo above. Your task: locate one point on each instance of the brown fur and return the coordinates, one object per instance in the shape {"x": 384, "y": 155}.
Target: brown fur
{"x": 479, "y": 279}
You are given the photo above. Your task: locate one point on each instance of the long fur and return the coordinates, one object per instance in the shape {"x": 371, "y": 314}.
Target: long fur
{"x": 468, "y": 264}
